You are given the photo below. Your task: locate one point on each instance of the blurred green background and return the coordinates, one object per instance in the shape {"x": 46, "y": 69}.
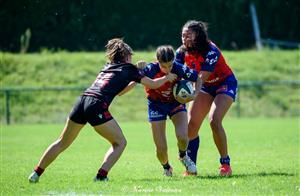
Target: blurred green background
{"x": 81, "y": 25}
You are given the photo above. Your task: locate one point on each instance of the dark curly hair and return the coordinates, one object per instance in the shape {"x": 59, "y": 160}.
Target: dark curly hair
{"x": 201, "y": 42}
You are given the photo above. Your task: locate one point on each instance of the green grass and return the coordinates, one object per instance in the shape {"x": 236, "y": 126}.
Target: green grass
{"x": 81, "y": 68}
{"x": 264, "y": 153}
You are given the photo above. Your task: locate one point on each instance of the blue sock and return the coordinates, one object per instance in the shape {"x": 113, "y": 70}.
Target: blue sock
{"x": 225, "y": 160}
{"x": 193, "y": 149}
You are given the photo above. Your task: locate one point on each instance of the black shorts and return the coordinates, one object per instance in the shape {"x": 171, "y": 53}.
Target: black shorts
{"x": 91, "y": 110}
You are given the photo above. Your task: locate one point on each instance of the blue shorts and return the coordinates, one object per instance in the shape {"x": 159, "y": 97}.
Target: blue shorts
{"x": 158, "y": 110}
{"x": 228, "y": 87}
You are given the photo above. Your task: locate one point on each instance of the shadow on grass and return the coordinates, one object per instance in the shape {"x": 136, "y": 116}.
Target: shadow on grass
{"x": 260, "y": 174}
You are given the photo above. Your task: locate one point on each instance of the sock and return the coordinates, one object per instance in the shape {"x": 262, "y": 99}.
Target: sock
{"x": 102, "y": 174}
{"x": 166, "y": 166}
{"x": 193, "y": 149}
{"x": 225, "y": 160}
{"x": 182, "y": 153}
{"x": 39, "y": 170}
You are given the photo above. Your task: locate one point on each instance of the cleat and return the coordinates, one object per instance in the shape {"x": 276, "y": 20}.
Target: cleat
{"x": 105, "y": 179}
{"x": 225, "y": 170}
{"x": 34, "y": 177}
{"x": 168, "y": 172}
{"x": 189, "y": 165}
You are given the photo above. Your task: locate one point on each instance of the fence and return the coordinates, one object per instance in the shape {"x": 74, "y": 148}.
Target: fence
{"x": 242, "y": 86}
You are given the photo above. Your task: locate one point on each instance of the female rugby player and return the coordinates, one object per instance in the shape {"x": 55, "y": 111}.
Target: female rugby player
{"x": 217, "y": 93}
{"x": 92, "y": 107}
{"x": 161, "y": 103}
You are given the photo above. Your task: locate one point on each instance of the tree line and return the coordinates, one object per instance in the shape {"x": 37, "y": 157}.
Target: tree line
{"x": 77, "y": 25}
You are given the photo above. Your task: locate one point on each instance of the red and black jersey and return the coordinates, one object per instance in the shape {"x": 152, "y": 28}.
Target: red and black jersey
{"x": 212, "y": 61}
{"x": 112, "y": 79}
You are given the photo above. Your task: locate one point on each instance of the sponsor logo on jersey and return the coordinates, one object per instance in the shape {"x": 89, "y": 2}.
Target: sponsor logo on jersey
{"x": 213, "y": 80}
{"x": 211, "y": 53}
{"x": 211, "y": 61}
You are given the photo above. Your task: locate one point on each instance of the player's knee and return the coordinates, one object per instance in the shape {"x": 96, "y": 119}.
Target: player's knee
{"x": 120, "y": 143}
{"x": 123, "y": 143}
{"x": 62, "y": 144}
{"x": 193, "y": 128}
{"x": 215, "y": 123}
{"x": 182, "y": 138}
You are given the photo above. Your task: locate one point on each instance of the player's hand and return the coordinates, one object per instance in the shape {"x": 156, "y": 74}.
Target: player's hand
{"x": 171, "y": 77}
{"x": 141, "y": 65}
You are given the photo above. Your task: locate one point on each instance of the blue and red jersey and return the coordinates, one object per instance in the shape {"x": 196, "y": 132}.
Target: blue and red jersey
{"x": 164, "y": 93}
{"x": 213, "y": 61}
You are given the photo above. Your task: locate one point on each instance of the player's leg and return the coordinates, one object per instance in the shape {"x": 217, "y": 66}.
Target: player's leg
{"x": 219, "y": 108}
{"x": 67, "y": 136}
{"x": 198, "y": 109}
{"x": 160, "y": 141}
{"x": 181, "y": 129}
{"x": 180, "y": 123}
{"x": 112, "y": 132}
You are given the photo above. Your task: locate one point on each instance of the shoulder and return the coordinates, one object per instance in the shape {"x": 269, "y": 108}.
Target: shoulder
{"x": 180, "y": 51}
{"x": 180, "y": 54}
{"x": 151, "y": 69}
{"x": 212, "y": 52}
{"x": 213, "y": 49}
{"x": 128, "y": 66}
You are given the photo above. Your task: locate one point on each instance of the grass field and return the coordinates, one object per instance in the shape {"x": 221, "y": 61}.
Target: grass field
{"x": 264, "y": 153}
{"x": 80, "y": 69}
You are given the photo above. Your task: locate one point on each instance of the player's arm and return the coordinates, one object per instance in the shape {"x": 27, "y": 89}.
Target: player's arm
{"x": 198, "y": 85}
{"x": 208, "y": 66}
{"x": 158, "y": 82}
{"x": 140, "y": 65}
{"x": 185, "y": 72}
{"x": 130, "y": 86}
{"x": 203, "y": 75}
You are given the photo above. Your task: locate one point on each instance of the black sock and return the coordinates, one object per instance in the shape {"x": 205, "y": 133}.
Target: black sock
{"x": 182, "y": 153}
{"x": 225, "y": 160}
{"x": 193, "y": 149}
{"x": 166, "y": 166}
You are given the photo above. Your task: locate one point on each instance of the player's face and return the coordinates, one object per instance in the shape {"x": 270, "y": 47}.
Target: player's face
{"x": 187, "y": 37}
{"x": 166, "y": 66}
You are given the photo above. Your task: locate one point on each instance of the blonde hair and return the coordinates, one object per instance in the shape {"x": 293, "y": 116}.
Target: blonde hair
{"x": 117, "y": 50}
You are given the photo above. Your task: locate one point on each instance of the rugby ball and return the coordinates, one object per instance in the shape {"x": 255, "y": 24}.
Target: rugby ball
{"x": 183, "y": 91}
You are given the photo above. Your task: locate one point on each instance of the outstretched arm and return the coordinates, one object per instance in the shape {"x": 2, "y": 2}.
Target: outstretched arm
{"x": 130, "y": 86}
{"x": 158, "y": 82}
